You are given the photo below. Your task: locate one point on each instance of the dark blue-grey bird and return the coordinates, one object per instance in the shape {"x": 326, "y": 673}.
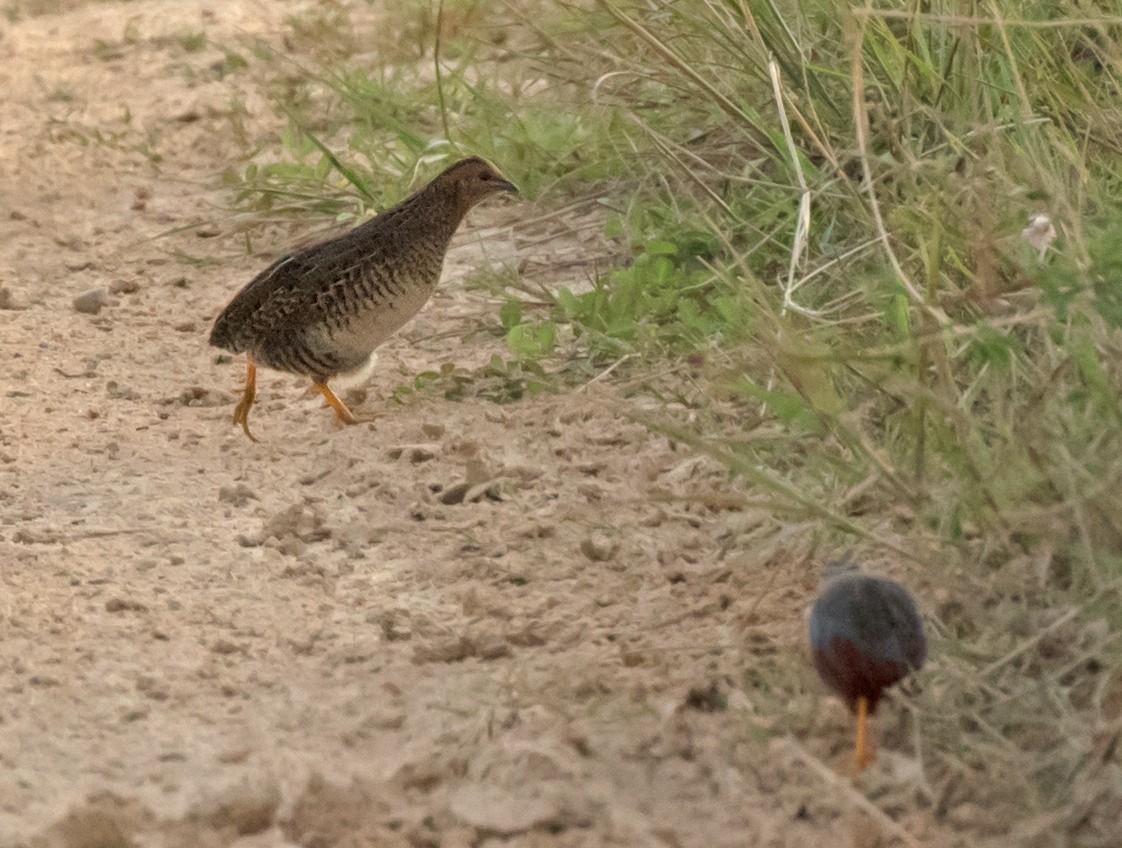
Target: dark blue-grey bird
{"x": 323, "y": 310}
{"x": 866, "y": 634}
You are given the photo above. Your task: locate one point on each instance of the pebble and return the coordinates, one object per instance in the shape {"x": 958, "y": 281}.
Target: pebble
{"x": 222, "y": 646}
{"x": 91, "y": 302}
{"x": 234, "y": 756}
{"x": 244, "y": 808}
{"x": 454, "y": 494}
{"x": 89, "y": 828}
{"x": 124, "y": 605}
{"x": 496, "y": 812}
{"x": 9, "y": 300}
{"x": 598, "y": 547}
{"x": 124, "y": 287}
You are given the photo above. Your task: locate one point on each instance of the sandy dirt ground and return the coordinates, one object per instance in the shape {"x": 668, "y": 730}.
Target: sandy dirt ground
{"x": 470, "y": 624}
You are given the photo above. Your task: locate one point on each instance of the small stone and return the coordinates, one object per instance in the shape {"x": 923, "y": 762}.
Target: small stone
{"x": 421, "y": 453}
{"x": 454, "y": 494}
{"x": 599, "y": 548}
{"x": 494, "y": 812}
{"x": 9, "y": 300}
{"x": 234, "y": 756}
{"x": 447, "y": 650}
{"x": 124, "y": 605}
{"x": 244, "y": 808}
{"x": 590, "y": 491}
{"x": 91, "y": 302}
{"x": 492, "y": 647}
{"x": 124, "y": 287}
{"x": 89, "y": 828}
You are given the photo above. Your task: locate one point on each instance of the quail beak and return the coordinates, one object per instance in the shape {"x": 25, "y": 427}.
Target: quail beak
{"x": 506, "y": 185}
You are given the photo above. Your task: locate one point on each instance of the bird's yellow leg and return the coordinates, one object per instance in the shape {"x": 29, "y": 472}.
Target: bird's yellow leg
{"x": 342, "y": 414}
{"x": 241, "y": 411}
{"x": 864, "y": 754}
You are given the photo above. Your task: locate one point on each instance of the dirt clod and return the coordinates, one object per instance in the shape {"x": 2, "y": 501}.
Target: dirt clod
{"x": 598, "y": 547}
{"x": 498, "y": 813}
{"x": 8, "y": 300}
{"x": 91, "y": 302}
{"x": 245, "y": 808}
{"x": 238, "y": 494}
{"x": 124, "y": 287}
{"x": 124, "y": 605}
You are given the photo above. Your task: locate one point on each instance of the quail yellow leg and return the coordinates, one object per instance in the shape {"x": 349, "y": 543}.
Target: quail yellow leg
{"x": 241, "y": 411}
{"x": 342, "y": 414}
{"x": 864, "y": 753}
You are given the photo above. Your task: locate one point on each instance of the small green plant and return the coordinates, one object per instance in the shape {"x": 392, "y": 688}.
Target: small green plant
{"x": 666, "y": 299}
{"x": 193, "y": 42}
{"x": 107, "y": 51}
{"x": 527, "y": 340}
{"x": 60, "y": 92}
{"x": 231, "y": 63}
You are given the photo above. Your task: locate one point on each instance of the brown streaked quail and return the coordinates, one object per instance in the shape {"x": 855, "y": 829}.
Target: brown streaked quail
{"x": 322, "y": 311}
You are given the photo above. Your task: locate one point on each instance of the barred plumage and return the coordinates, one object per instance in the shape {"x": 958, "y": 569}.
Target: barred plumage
{"x": 322, "y": 311}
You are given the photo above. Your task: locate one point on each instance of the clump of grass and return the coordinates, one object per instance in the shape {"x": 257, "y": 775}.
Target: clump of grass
{"x": 192, "y": 42}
